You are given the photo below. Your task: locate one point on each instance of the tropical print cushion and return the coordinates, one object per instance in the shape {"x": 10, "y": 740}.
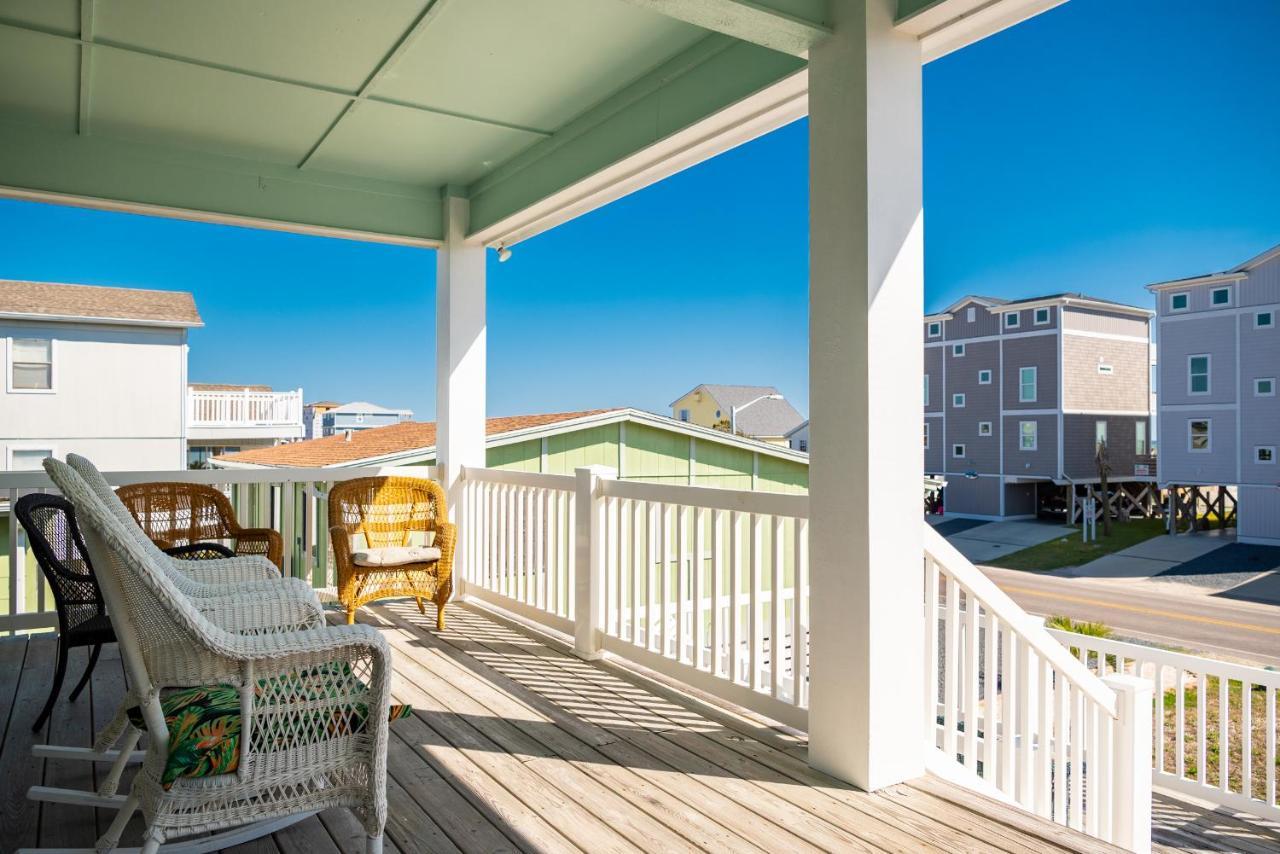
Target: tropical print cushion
{"x": 204, "y": 722}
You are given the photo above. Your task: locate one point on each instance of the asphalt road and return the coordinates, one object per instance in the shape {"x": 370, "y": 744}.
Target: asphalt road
{"x": 1186, "y": 619}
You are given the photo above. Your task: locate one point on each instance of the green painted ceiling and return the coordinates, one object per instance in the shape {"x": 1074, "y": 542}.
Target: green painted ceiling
{"x": 290, "y": 109}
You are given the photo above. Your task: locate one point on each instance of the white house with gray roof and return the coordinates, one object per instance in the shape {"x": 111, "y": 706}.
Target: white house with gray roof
{"x": 1017, "y": 394}
{"x": 756, "y": 411}
{"x": 1219, "y": 408}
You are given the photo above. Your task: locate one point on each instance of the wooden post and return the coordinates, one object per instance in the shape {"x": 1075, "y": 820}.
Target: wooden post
{"x": 589, "y": 555}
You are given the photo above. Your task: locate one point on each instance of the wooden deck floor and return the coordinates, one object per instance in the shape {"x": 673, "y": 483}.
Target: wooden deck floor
{"x": 515, "y": 745}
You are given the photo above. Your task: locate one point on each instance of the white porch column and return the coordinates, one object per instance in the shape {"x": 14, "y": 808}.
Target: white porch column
{"x": 865, "y": 363}
{"x": 460, "y": 351}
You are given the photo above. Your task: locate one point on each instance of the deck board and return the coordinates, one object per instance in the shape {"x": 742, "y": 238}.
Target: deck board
{"x": 516, "y": 745}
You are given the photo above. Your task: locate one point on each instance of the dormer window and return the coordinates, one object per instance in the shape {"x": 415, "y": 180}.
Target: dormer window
{"x": 1042, "y": 316}
{"x": 1220, "y": 297}
{"x": 1011, "y": 320}
{"x": 969, "y": 314}
{"x": 1179, "y": 302}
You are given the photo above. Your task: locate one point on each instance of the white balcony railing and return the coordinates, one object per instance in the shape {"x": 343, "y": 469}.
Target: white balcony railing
{"x": 700, "y": 585}
{"x": 243, "y": 409}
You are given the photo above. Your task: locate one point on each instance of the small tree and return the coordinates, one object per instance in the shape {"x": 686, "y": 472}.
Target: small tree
{"x": 1104, "y": 470}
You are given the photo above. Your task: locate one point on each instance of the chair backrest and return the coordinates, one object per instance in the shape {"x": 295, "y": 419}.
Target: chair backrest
{"x": 50, "y": 523}
{"x": 386, "y": 509}
{"x": 178, "y": 514}
{"x": 163, "y": 638}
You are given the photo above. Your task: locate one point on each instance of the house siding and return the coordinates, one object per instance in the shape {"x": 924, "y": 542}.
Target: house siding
{"x": 1125, "y": 389}
{"x": 1105, "y": 323}
{"x": 1263, "y": 284}
{"x": 933, "y": 359}
{"x": 1258, "y": 514}
{"x": 1042, "y": 462}
{"x": 1026, "y": 321}
{"x": 1040, "y": 352}
{"x": 976, "y": 497}
{"x": 933, "y": 455}
{"x": 1019, "y": 499}
{"x": 959, "y": 327}
{"x": 1180, "y": 465}
{"x": 1079, "y": 448}
{"x": 1259, "y": 416}
{"x": 1212, "y": 334}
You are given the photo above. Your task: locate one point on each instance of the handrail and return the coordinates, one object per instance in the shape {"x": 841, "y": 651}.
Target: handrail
{"x": 1029, "y": 628}
{"x": 40, "y": 480}
{"x": 537, "y": 480}
{"x": 712, "y": 498}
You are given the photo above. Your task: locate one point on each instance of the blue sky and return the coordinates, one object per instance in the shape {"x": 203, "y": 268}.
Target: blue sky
{"x": 1098, "y": 147}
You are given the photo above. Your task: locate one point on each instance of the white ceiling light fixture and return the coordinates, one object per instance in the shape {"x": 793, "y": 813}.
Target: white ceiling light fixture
{"x": 504, "y": 254}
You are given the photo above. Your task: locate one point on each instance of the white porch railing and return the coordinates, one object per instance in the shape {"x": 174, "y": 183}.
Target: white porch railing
{"x": 1017, "y": 710}
{"x": 244, "y": 408}
{"x": 291, "y": 500}
{"x": 1214, "y": 726}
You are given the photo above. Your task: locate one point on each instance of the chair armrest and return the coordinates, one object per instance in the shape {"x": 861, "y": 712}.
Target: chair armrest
{"x": 231, "y": 570}
{"x": 200, "y": 551}
{"x": 260, "y": 612}
{"x": 260, "y": 541}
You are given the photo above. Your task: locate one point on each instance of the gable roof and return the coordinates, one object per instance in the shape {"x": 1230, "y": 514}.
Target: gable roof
{"x": 414, "y": 441}
{"x": 79, "y": 303}
{"x": 996, "y": 305}
{"x": 765, "y": 418}
{"x": 1234, "y": 274}
{"x": 367, "y": 408}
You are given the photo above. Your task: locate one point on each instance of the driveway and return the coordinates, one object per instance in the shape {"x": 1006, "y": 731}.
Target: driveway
{"x": 982, "y": 542}
{"x": 1148, "y": 558}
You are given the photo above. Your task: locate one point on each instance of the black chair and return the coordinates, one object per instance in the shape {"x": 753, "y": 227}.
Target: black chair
{"x": 50, "y": 523}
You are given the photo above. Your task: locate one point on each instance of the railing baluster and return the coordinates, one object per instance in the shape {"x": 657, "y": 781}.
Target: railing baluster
{"x": 1246, "y": 738}
{"x": 1061, "y": 733}
{"x": 699, "y": 569}
{"x": 1044, "y": 765}
{"x": 971, "y": 648}
{"x": 717, "y": 585}
{"x": 1224, "y": 734}
{"x": 1090, "y": 764}
{"x": 1180, "y": 724}
{"x": 664, "y": 549}
{"x": 754, "y": 629}
{"x": 1269, "y": 757}
{"x": 637, "y": 566}
{"x": 951, "y": 653}
{"x": 1076, "y": 767}
{"x": 800, "y": 630}
{"x": 775, "y": 609}
{"x": 682, "y": 580}
{"x": 1202, "y": 688}
{"x": 735, "y": 591}
{"x": 990, "y": 697}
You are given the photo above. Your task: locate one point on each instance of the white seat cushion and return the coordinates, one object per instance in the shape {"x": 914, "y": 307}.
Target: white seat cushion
{"x": 395, "y": 555}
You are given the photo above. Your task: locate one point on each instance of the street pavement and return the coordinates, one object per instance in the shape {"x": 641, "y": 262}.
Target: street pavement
{"x": 989, "y": 541}
{"x": 1170, "y": 614}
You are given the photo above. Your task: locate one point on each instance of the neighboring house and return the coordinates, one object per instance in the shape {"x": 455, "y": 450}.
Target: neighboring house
{"x": 1219, "y": 405}
{"x": 224, "y": 418}
{"x": 360, "y": 415}
{"x": 1018, "y": 393}
{"x": 99, "y": 371}
{"x": 798, "y": 438}
{"x": 313, "y": 417}
{"x": 639, "y": 445}
{"x": 762, "y": 412}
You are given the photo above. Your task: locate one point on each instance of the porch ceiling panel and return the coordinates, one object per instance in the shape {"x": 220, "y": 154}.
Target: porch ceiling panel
{"x": 59, "y": 16}
{"x": 50, "y": 75}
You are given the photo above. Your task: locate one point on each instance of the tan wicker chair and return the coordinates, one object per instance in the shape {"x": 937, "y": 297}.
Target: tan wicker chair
{"x": 182, "y": 514}
{"x": 385, "y": 510}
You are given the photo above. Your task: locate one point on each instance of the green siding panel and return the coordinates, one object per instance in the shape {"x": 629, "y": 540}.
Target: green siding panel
{"x": 656, "y": 455}
{"x": 778, "y": 475}
{"x": 722, "y": 466}
{"x": 594, "y": 446}
{"x": 521, "y": 456}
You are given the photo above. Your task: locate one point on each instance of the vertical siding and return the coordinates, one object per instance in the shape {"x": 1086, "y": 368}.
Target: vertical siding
{"x": 1043, "y": 461}
{"x": 1026, "y": 321}
{"x": 1179, "y": 465}
{"x": 1259, "y": 416}
{"x": 1106, "y": 322}
{"x": 656, "y": 455}
{"x": 778, "y": 475}
{"x": 521, "y": 456}
{"x": 1210, "y": 333}
{"x": 984, "y": 323}
{"x": 1259, "y": 512}
{"x": 1263, "y": 285}
{"x": 1079, "y": 447}
{"x": 594, "y": 446}
{"x": 934, "y": 461}
{"x": 982, "y": 403}
{"x": 979, "y": 496}
{"x": 933, "y": 357}
{"x": 1019, "y": 499}
{"x": 722, "y": 466}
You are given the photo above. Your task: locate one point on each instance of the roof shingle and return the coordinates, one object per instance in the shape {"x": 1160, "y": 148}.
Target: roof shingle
{"x": 94, "y": 302}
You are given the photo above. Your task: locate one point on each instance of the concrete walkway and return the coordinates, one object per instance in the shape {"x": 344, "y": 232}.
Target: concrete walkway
{"x": 1148, "y": 558}
{"x": 986, "y": 542}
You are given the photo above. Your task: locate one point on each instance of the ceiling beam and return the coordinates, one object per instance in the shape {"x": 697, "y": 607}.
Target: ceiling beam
{"x": 100, "y": 45}
{"x": 945, "y": 26}
{"x": 417, "y": 28}
{"x": 788, "y": 26}
{"x": 86, "y": 65}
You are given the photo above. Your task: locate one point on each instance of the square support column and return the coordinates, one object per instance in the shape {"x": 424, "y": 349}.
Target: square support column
{"x": 460, "y": 351}
{"x": 867, "y": 463}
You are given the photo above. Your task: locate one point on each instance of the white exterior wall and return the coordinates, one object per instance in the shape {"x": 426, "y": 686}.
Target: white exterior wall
{"x": 119, "y": 395}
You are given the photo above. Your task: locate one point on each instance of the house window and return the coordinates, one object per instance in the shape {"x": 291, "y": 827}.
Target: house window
{"x": 935, "y": 329}
{"x": 1198, "y": 374}
{"x": 969, "y": 314}
{"x": 1099, "y": 433}
{"x": 1179, "y": 302}
{"x": 926, "y": 435}
{"x": 1105, "y": 370}
{"x": 926, "y": 389}
{"x": 684, "y": 415}
{"x": 984, "y": 428}
{"x": 957, "y": 401}
{"x": 1026, "y": 385}
{"x": 717, "y": 413}
{"x": 957, "y": 451}
{"x": 984, "y": 377}
{"x": 1140, "y": 438}
{"x": 1042, "y": 316}
{"x": 1198, "y": 437}
{"x": 1265, "y": 454}
{"x": 1264, "y": 387}
{"x": 1264, "y": 320}
{"x": 1220, "y": 296}
{"x": 1028, "y": 435}
{"x": 957, "y": 349}
{"x": 31, "y": 361}
{"x": 28, "y": 459}
{"x": 804, "y": 445}
{"x": 359, "y": 417}
{"x": 1011, "y": 320}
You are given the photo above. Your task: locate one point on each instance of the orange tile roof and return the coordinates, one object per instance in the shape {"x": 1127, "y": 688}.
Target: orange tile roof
{"x": 226, "y": 387}
{"x": 51, "y": 299}
{"x": 381, "y": 441}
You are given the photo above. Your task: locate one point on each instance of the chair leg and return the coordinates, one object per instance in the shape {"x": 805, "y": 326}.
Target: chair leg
{"x": 110, "y": 840}
{"x": 351, "y": 616}
{"x": 440, "y": 616}
{"x": 373, "y": 844}
{"x": 88, "y": 671}
{"x": 60, "y": 672}
{"x": 422, "y": 609}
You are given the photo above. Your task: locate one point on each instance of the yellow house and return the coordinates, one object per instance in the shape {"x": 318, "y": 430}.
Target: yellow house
{"x": 759, "y": 412}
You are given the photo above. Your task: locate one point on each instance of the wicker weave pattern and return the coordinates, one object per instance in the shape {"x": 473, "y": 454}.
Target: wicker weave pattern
{"x": 179, "y": 514}
{"x": 385, "y": 510}
{"x": 284, "y": 769}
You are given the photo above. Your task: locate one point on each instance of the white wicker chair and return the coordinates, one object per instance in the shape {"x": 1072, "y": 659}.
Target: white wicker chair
{"x": 287, "y": 681}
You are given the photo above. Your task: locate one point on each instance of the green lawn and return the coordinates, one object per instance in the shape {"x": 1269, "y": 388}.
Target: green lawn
{"x": 1071, "y": 551}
